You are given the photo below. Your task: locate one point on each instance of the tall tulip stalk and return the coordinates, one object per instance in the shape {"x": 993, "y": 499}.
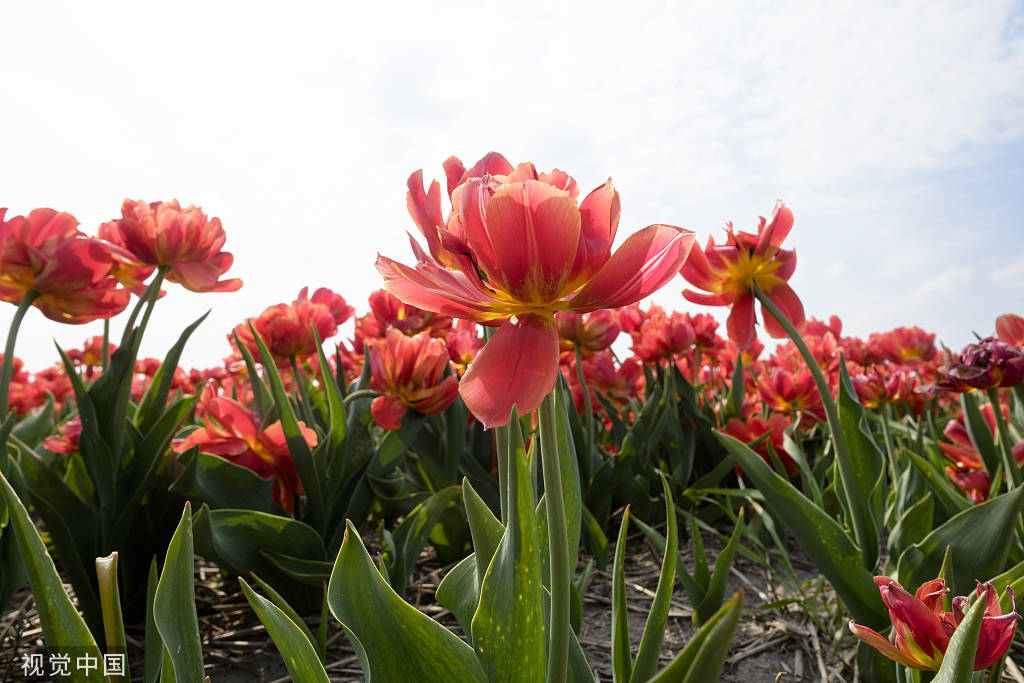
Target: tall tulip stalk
{"x": 516, "y": 248}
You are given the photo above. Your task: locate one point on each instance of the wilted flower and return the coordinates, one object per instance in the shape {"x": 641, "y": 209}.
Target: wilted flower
{"x": 184, "y": 241}
{"x": 45, "y": 256}
{"x": 921, "y": 629}
{"x": 516, "y": 249}
{"x": 408, "y": 371}
{"x": 728, "y": 272}
{"x": 989, "y": 364}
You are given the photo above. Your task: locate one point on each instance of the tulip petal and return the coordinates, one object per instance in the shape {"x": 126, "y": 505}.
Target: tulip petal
{"x": 913, "y": 619}
{"x": 646, "y": 261}
{"x": 698, "y": 271}
{"x": 783, "y": 296}
{"x": 777, "y": 228}
{"x": 425, "y": 209}
{"x": 387, "y": 412}
{"x": 706, "y": 299}
{"x": 599, "y": 221}
{"x": 534, "y": 229}
{"x": 740, "y": 323}
{"x": 875, "y": 640}
{"x": 434, "y": 289}
{"x": 517, "y": 366}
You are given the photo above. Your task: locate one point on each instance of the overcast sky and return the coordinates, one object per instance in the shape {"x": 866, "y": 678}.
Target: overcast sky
{"x": 895, "y": 132}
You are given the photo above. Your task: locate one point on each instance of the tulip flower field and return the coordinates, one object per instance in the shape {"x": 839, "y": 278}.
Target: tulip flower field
{"x": 507, "y": 406}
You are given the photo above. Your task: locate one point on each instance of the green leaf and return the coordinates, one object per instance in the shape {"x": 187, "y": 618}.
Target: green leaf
{"x": 958, "y": 662}
{"x": 287, "y": 609}
{"x": 237, "y": 540}
{"x": 153, "y": 401}
{"x": 570, "y": 471}
{"x": 951, "y": 501}
{"x": 154, "y": 644}
{"x": 61, "y": 623}
{"x": 33, "y": 428}
{"x": 716, "y": 585}
{"x": 110, "y": 598}
{"x": 867, "y": 464}
{"x": 300, "y": 451}
{"x": 459, "y": 592}
{"x": 702, "y": 659}
{"x": 412, "y": 534}
{"x": 825, "y": 543}
{"x": 654, "y": 630}
{"x": 913, "y": 526}
{"x": 484, "y": 527}
{"x": 335, "y": 409}
{"x": 221, "y": 483}
{"x": 509, "y": 627}
{"x": 174, "y": 604}
{"x": 980, "y": 537}
{"x": 373, "y": 615}
{"x": 622, "y": 657}
{"x": 737, "y": 390}
{"x": 309, "y": 572}
{"x": 979, "y": 432}
{"x": 295, "y": 646}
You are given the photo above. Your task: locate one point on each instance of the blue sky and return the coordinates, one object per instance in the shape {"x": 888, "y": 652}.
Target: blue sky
{"x": 894, "y": 130}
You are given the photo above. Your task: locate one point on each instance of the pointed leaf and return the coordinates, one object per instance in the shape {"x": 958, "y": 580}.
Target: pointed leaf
{"x": 373, "y": 614}
{"x": 622, "y": 657}
{"x": 294, "y": 645}
{"x": 702, "y": 659}
{"x": 823, "y": 540}
{"x": 61, "y": 623}
{"x": 716, "y": 585}
{"x": 174, "y": 604}
{"x": 980, "y": 537}
{"x": 654, "y": 630}
{"x": 508, "y": 627}
{"x": 412, "y": 534}
{"x": 155, "y": 398}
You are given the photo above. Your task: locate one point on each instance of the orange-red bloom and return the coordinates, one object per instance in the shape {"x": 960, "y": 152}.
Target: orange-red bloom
{"x": 1010, "y": 329}
{"x": 516, "y": 249}
{"x": 922, "y": 630}
{"x": 287, "y": 329}
{"x": 183, "y": 240}
{"x": 408, "y": 372}
{"x": 594, "y": 331}
{"x": 46, "y": 255}
{"x": 905, "y": 345}
{"x": 233, "y": 432}
{"x": 728, "y": 272}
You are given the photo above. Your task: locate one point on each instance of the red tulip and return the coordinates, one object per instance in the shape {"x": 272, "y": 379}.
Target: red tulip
{"x": 232, "y": 431}
{"x": 516, "y": 249}
{"x": 1010, "y": 329}
{"x": 409, "y": 372}
{"x": 183, "y": 240}
{"x": 921, "y": 629}
{"x": 594, "y": 331}
{"x": 44, "y": 255}
{"x": 728, "y": 272}
{"x": 287, "y": 329}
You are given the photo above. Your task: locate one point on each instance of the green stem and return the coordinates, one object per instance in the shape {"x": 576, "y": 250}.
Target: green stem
{"x": 588, "y": 437}
{"x": 7, "y": 370}
{"x": 1013, "y": 477}
{"x": 106, "y": 345}
{"x": 148, "y": 299}
{"x": 558, "y": 543}
{"x": 854, "y": 502}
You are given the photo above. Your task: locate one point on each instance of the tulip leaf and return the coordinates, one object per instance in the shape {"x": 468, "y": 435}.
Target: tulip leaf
{"x": 508, "y": 627}
{"x": 174, "y": 604}
{"x": 33, "y": 428}
{"x": 412, "y": 534}
{"x": 866, "y": 463}
{"x": 951, "y": 502}
{"x": 154, "y": 645}
{"x": 459, "y": 592}
{"x": 914, "y": 525}
{"x": 309, "y": 572}
{"x": 373, "y": 615}
{"x": 570, "y": 471}
{"x": 300, "y": 451}
{"x": 484, "y": 527}
{"x": 958, "y": 662}
{"x": 335, "y": 408}
{"x": 702, "y": 658}
{"x": 980, "y": 537}
{"x": 238, "y": 540}
{"x": 646, "y": 663}
{"x": 715, "y": 591}
{"x": 622, "y": 657}
{"x": 293, "y": 643}
{"x": 61, "y": 623}
{"x": 825, "y": 542}
{"x": 979, "y": 433}
{"x": 220, "y": 483}
{"x": 153, "y": 401}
